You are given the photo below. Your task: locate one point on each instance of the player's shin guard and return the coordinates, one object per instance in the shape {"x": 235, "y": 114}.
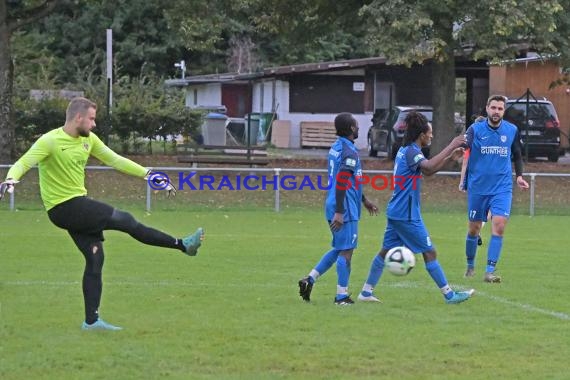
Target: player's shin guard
{"x": 376, "y": 269}
{"x": 343, "y": 272}
{"x": 92, "y": 280}
{"x": 494, "y": 252}
{"x": 436, "y": 273}
{"x": 471, "y": 250}
{"x": 92, "y": 290}
{"x": 327, "y": 261}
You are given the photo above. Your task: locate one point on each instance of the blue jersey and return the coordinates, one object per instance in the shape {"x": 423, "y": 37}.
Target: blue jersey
{"x": 405, "y": 201}
{"x": 343, "y": 157}
{"x": 489, "y": 164}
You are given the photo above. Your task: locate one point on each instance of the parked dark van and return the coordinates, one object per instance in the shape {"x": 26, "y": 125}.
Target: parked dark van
{"x": 538, "y": 126}
{"x": 388, "y": 127}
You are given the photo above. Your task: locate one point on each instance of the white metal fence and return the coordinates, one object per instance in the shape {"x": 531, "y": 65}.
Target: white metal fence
{"x": 278, "y": 175}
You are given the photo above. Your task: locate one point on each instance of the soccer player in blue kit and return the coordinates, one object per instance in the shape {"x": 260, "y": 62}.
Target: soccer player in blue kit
{"x": 405, "y": 226}
{"x": 492, "y": 141}
{"x": 342, "y": 209}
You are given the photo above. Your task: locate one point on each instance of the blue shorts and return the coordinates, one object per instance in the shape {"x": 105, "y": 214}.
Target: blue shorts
{"x": 479, "y": 205}
{"x": 411, "y": 234}
{"x": 347, "y": 237}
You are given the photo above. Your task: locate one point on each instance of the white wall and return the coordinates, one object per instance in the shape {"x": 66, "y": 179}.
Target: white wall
{"x": 282, "y": 107}
{"x": 208, "y": 95}
{"x": 364, "y": 123}
{"x": 265, "y": 103}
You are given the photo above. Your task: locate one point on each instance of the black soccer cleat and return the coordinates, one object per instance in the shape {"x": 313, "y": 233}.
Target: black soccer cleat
{"x": 346, "y": 301}
{"x": 305, "y": 288}
{"x": 479, "y": 240}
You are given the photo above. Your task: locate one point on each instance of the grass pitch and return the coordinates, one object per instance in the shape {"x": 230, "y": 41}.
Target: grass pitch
{"x": 233, "y": 312}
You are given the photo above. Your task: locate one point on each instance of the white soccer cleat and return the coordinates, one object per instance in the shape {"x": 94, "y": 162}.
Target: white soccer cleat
{"x": 369, "y": 298}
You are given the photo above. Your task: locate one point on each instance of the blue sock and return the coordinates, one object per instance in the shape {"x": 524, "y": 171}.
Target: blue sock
{"x": 326, "y": 262}
{"x": 471, "y": 250}
{"x": 494, "y": 252}
{"x": 436, "y": 272}
{"x": 343, "y": 271}
{"x": 376, "y": 269}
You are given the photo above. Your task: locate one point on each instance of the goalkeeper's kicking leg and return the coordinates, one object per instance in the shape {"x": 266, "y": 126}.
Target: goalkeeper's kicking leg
{"x": 85, "y": 219}
{"x": 125, "y": 222}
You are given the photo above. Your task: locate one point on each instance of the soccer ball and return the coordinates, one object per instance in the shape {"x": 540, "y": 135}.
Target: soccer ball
{"x": 400, "y": 261}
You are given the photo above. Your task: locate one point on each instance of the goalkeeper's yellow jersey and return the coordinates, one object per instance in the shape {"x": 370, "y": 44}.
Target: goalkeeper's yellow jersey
{"x": 61, "y": 161}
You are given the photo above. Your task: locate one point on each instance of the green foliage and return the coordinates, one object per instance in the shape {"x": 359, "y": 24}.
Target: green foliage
{"x": 283, "y": 32}
{"x": 149, "y": 36}
{"x": 63, "y": 51}
{"x": 74, "y": 37}
{"x": 34, "y": 118}
{"x": 142, "y": 108}
{"x": 411, "y": 31}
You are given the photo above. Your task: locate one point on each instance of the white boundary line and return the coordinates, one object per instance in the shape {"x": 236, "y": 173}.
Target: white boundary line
{"x": 527, "y": 307}
{"x": 501, "y": 300}
{"x": 400, "y": 284}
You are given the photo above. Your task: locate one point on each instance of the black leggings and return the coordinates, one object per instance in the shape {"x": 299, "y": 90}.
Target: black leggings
{"x": 85, "y": 220}
{"x": 125, "y": 222}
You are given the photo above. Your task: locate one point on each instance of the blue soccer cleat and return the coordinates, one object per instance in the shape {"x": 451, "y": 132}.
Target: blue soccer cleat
{"x": 100, "y": 325}
{"x": 193, "y": 242}
{"x": 459, "y": 297}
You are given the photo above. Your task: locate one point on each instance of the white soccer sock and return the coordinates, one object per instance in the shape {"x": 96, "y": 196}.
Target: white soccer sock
{"x": 314, "y": 274}
{"x": 446, "y": 290}
{"x": 341, "y": 290}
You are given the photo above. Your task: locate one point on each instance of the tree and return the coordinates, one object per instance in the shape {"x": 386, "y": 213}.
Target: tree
{"x": 143, "y": 43}
{"x": 434, "y": 31}
{"x": 281, "y": 31}
{"x": 14, "y": 14}
{"x": 242, "y": 56}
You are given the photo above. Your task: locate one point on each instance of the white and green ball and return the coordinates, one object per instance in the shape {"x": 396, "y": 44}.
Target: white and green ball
{"x": 399, "y": 261}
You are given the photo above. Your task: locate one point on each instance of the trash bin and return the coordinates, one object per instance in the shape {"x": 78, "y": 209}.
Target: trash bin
{"x": 251, "y": 128}
{"x": 214, "y": 129}
{"x": 265, "y": 121}
{"x": 261, "y": 121}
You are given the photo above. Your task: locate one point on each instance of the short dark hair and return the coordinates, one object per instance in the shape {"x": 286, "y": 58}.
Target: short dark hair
{"x": 78, "y": 105}
{"x": 416, "y": 124}
{"x": 343, "y": 123}
{"x": 497, "y": 98}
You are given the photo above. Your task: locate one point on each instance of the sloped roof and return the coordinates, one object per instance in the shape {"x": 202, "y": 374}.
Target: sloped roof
{"x": 276, "y": 71}
{"x": 323, "y": 66}
{"x": 212, "y": 78}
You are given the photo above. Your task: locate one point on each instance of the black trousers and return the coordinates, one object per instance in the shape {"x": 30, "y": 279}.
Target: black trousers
{"x": 85, "y": 220}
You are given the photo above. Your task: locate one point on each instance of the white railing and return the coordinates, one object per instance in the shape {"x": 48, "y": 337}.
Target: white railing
{"x": 277, "y": 172}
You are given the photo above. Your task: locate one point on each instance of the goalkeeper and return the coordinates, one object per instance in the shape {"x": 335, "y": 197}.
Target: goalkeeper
{"x": 61, "y": 155}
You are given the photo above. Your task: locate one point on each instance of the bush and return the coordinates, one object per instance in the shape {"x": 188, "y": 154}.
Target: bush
{"x": 142, "y": 110}
{"x": 34, "y": 118}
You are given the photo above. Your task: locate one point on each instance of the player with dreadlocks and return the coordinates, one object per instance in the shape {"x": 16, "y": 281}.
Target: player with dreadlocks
{"x": 405, "y": 226}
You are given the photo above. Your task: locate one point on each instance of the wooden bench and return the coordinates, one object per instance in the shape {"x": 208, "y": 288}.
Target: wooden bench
{"x": 317, "y": 134}
{"x": 226, "y": 155}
